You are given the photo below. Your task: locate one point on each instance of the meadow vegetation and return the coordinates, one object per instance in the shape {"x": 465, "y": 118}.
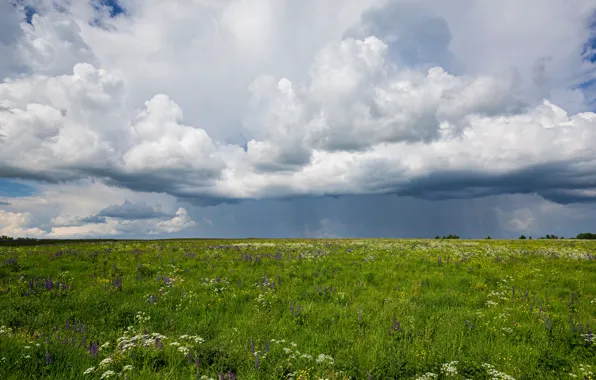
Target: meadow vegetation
{"x": 299, "y": 309}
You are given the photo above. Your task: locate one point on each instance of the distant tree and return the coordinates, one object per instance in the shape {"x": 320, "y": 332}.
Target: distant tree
{"x": 488, "y": 237}
{"x": 523, "y": 237}
{"x": 530, "y": 238}
{"x": 586, "y": 235}
{"x": 437, "y": 237}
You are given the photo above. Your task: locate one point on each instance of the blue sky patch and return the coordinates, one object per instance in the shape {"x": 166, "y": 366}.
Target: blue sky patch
{"x": 15, "y": 189}
{"x": 115, "y": 8}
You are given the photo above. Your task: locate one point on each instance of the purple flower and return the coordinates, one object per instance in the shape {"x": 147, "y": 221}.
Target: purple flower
{"x": 49, "y": 359}
{"x": 94, "y": 349}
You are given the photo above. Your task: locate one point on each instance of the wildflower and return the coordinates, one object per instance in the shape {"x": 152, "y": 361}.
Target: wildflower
{"x": 428, "y": 376}
{"x": 127, "y": 367}
{"x": 107, "y": 374}
{"x": 107, "y": 361}
{"x": 449, "y": 369}
{"x": 49, "y": 359}
{"x": 89, "y": 370}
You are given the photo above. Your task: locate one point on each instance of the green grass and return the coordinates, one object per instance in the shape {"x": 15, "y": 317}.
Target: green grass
{"x": 358, "y": 309}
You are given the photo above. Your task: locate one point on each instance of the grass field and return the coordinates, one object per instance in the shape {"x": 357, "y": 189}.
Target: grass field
{"x": 299, "y": 309}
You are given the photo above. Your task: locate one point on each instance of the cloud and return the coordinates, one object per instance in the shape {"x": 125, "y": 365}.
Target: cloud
{"x": 126, "y": 219}
{"x": 178, "y": 223}
{"x": 129, "y": 210}
{"x": 19, "y": 224}
{"x": 220, "y": 102}
{"x": 2, "y": 203}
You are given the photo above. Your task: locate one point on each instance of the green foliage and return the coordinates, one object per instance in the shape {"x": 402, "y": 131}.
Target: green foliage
{"x": 300, "y": 309}
{"x": 586, "y": 235}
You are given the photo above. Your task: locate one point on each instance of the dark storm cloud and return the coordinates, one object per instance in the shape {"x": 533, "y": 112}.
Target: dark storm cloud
{"x": 93, "y": 219}
{"x": 559, "y": 182}
{"x": 348, "y": 216}
{"x": 131, "y": 211}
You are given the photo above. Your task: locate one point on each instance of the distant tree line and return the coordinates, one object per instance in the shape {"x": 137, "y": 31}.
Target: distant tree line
{"x": 8, "y": 238}
{"x": 450, "y": 236}
{"x": 586, "y": 235}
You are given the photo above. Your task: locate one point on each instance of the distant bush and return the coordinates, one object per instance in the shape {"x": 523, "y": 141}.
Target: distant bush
{"x": 587, "y": 235}
{"x": 523, "y": 237}
{"x": 553, "y": 237}
{"x": 450, "y": 236}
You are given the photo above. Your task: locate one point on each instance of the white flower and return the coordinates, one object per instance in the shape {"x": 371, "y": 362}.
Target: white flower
{"x": 104, "y": 363}
{"x": 127, "y": 368}
{"x": 428, "y": 376}
{"x": 107, "y": 374}
{"x": 449, "y": 369}
{"x": 89, "y": 370}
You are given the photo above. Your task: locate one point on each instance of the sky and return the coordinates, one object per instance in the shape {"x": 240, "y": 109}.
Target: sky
{"x": 297, "y": 118}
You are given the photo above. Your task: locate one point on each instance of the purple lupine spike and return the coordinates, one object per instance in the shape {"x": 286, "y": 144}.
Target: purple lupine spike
{"x": 252, "y": 346}
{"x": 84, "y": 342}
{"x": 257, "y": 361}
{"x": 64, "y": 287}
{"x": 57, "y": 286}
{"x": 189, "y": 358}
{"x": 49, "y": 284}
{"x": 197, "y": 362}
{"x": 67, "y": 325}
{"x": 157, "y": 342}
{"x": 49, "y": 359}
{"x": 30, "y": 284}
{"x": 72, "y": 341}
{"x": 144, "y": 331}
{"x": 396, "y": 324}
{"x": 94, "y": 349}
